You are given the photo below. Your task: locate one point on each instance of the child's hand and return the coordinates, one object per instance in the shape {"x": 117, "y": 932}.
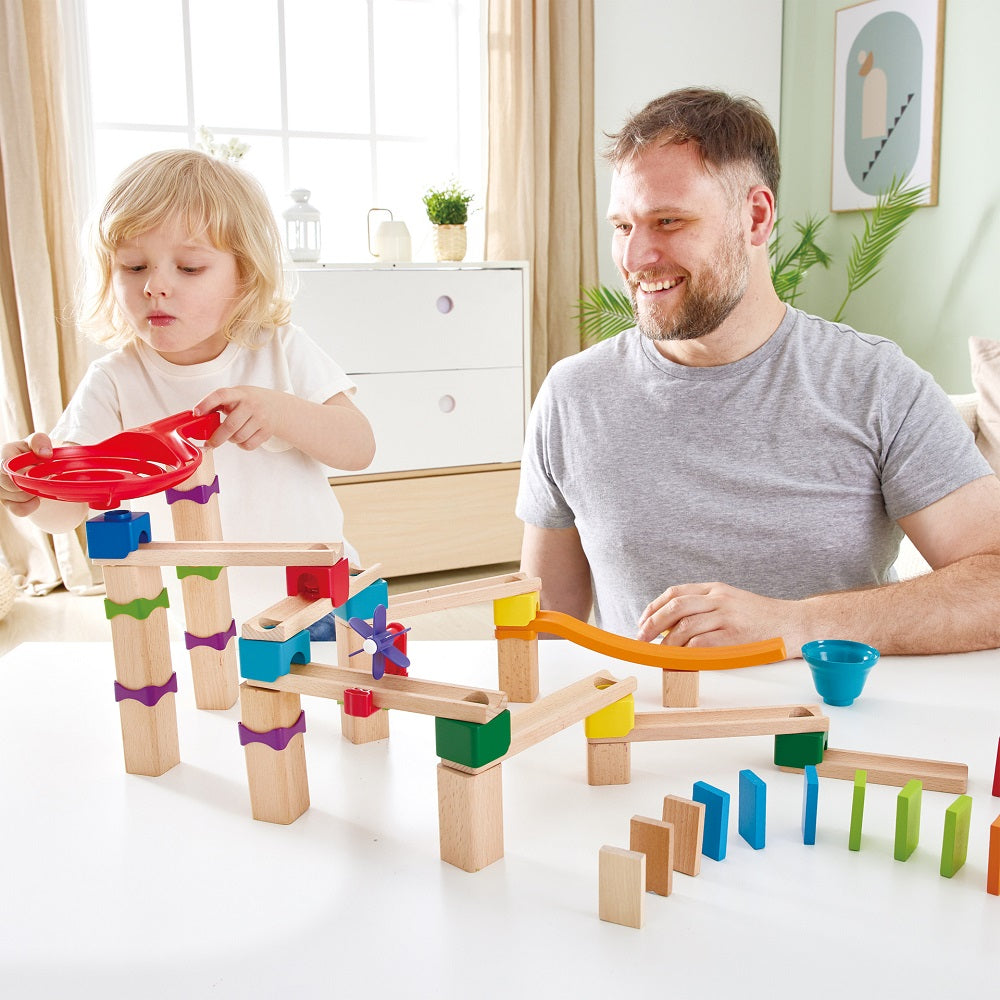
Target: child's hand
{"x": 19, "y": 503}
{"x": 252, "y": 415}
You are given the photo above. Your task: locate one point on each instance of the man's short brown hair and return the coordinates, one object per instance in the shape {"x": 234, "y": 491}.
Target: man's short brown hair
{"x": 731, "y": 132}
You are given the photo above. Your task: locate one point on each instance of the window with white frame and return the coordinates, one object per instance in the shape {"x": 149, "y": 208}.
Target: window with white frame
{"x": 366, "y": 103}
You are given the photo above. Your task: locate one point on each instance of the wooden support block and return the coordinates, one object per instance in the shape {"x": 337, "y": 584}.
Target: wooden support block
{"x": 907, "y": 820}
{"x": 955, "y": 843}
{"x": 655, "y": 839}
{"x": 936, "y": 775}
{"x": 810, "y": 802}
{"x": 470, "y": 817}
{"x": 368, "y": 729}
{"x": 715, "y": 837}
{"x": 993, "y": 862}
{"x": 142, "y": 659}
{"x": 752, "y": 809}
{"x": 279, "y": 785}
{"x": 680, "y": 688}
{"x": 517, "y": 669}
{"x": 688, "y": 820}
{"x": 621, "y": 886}
{"x": 208, "y": 612}
{"x": 857, "y": 810}
{"x": 609, "y": 763}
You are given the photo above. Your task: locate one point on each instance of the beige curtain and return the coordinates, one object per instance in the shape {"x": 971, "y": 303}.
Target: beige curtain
{"x": 540, "y": 198}
{"x": 39, "y": 362}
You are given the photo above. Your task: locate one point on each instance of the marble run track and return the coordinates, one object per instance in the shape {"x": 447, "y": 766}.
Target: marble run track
{"x": 749, "y": 654}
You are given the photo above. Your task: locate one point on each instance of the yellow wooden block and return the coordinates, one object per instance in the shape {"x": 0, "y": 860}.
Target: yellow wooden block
{"x": 618, "y": 719}
{"x": 515, "y": 611}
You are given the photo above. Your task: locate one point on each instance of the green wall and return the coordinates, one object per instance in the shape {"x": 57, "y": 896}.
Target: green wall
{"x": 941, "y": 282}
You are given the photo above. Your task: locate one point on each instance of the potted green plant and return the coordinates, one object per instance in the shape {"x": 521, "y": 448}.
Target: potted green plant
{"x": 448, "y": 210}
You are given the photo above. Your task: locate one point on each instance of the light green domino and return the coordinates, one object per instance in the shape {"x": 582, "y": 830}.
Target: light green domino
{"x": 140, "y": 608}
{"x": 957, "y": 821}
{"x": 857, "y": 809}
{"x": 907, "y": 819}
{"x": 208, "y": 572}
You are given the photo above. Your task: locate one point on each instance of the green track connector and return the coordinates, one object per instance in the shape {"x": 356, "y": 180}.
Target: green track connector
{"x": 140, "y": 608}
{"x": 208, "y": 572}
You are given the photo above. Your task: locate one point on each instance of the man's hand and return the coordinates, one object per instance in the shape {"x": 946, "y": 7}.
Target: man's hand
{"x": 19, "y": 503}
{"x": 253, "y": 415}
{"x": 715, "y": 614}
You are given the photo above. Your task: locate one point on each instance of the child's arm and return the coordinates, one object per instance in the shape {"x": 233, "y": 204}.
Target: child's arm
{"x": 335, "y": 433}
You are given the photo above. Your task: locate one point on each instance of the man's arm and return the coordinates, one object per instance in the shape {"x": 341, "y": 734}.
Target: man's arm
{"x": 951, "y": 609}
{"x": 556, "y": 555}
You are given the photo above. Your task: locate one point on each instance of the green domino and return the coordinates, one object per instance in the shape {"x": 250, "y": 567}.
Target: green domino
{"x": 208, "y": 572}
{"x": 857, "y": 810}
{"x": 957, "y": 821}
{"x": 907, "y": 820}
{"x": 140, "y": 608}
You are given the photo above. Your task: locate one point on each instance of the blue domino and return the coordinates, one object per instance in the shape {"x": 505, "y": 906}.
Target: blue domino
{"x": 753, "y": 806}
{"x": 716, "y": 801}
{"x": 810, "y": 800}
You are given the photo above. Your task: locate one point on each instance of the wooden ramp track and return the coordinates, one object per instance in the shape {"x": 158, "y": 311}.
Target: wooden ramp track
{"x": 460, "y": 595}
{"x": 647, "y": 653}
{"x": 230, "y": 554}
{"x": 407, "y": 694}
{"x": 697, "y": 723}
{"x": 936, "y": 775}
{"x": 558, "y": 711}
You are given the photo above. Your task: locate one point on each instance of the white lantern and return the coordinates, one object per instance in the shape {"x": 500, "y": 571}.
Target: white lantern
{"x": 302, "y": 228}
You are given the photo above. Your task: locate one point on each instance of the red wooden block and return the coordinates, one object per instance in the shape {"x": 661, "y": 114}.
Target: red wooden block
{"x": 400, "y": 643}
{"x": 359, "y": 702}
{"x": 314, "y": 582}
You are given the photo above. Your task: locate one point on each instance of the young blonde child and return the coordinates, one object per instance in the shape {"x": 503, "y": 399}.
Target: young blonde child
{"x": 186, "y": 282}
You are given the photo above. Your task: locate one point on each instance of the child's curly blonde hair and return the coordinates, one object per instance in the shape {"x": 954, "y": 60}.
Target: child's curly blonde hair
{"x": 215, "y": 201}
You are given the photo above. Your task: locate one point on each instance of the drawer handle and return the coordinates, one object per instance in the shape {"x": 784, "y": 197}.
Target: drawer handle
{"x": 445, "y": 304}
{"x": 446, "y": 404}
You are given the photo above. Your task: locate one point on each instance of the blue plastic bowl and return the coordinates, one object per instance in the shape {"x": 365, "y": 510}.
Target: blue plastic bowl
{"x": 839, "y": 667}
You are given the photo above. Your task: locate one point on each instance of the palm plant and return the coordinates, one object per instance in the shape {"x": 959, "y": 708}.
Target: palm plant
{"x": 603, "y": 312}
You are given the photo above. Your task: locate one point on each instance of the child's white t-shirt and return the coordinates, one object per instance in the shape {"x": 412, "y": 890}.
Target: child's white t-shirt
{"x": 274, "y": 493}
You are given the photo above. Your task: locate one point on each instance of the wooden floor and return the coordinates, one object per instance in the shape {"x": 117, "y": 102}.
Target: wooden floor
{"x": 64, "y": 616}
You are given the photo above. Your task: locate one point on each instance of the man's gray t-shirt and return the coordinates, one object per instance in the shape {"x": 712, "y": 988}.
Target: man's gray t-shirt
{"x": 783, "y": 473}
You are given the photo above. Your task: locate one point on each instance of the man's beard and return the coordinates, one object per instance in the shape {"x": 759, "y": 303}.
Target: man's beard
{"x": 705, "y": 305}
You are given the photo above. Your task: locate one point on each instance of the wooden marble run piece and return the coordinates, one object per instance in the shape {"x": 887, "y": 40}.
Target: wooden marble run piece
{"x": 460, "y": 595}
{"x": 608, "y": 758}
{"x": 936, "y": 775}
{"x": 215, "y": 553}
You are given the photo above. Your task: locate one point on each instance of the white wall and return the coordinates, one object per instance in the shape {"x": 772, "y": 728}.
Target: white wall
{"x": 644, "y": 48}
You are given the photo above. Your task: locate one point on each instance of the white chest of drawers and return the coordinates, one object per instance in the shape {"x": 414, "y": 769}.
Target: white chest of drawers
{"x": 440, "y": 357}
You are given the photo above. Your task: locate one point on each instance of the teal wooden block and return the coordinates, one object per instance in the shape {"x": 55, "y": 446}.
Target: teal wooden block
{"x": 263, "y": 660}
{"x": 955, "y": 846}
{"x": 472, "y": 744}
{"x": 907, "y": 820}
{"x": 857, "y": 810}
{"x": 799, "y": 749}
{"x": 752, "y": 809}
{"x": 364, "y": 603}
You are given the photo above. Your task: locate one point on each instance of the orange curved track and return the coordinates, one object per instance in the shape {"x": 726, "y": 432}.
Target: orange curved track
{"x": 648, "y": 654}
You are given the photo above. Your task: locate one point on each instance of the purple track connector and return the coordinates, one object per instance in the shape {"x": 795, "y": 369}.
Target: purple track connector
{"x": 197, "y": 494}
{"x": 148, "y": 695}
{"x": 218, "y": 641}
{"x": 276, "y": 739}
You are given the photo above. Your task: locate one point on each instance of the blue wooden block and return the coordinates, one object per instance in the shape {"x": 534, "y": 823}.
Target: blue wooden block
{"x": 716, "y": 801}
{"x": 753, "y": 805}
{"x": 364, "y": 603}
{"x": 263, "y": 660}
{"x": 116, "y": 533}
{"x": 810, "y": 800}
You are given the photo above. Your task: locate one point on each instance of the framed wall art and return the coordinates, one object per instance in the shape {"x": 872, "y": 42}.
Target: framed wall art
{"x": 888, "y": 61}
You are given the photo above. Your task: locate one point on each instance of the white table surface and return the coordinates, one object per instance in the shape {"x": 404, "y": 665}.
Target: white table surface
{"x": 113, "y": 885}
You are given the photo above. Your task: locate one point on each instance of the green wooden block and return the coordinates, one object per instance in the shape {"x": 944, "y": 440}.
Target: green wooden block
{"x": 472, "y": 744}
{"x": 957, "y": 821}
{"x": 799, "y": 749}
{"x": 907, "y": 820}
{"x": 857, "y": 810}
